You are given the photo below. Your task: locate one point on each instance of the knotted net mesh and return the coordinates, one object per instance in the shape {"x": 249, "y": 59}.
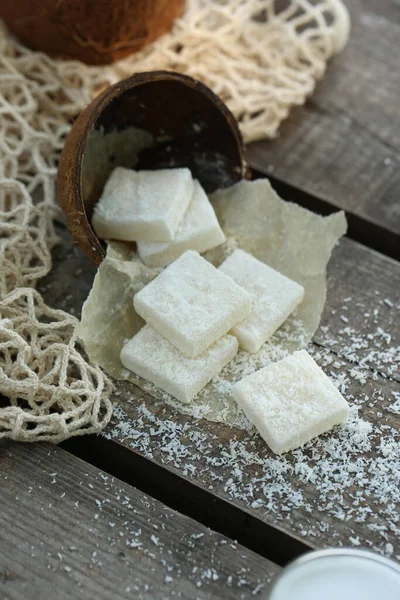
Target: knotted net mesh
{"x": 260, "y": 56}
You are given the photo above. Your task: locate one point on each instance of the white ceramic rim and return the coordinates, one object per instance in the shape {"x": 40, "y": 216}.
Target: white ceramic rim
{"x": 343, "y": 552}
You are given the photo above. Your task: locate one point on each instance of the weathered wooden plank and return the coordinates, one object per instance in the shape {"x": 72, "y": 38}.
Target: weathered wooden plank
{"x": 361, "y": 316}
{"x": 344, "y": 145}
{"x": 71, "y": 531}
{"x": 341, "y": 489}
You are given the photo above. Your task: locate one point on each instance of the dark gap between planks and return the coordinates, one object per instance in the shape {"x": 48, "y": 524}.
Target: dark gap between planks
{"x": 360, "y": 230}
{"x": 187, "y": 498}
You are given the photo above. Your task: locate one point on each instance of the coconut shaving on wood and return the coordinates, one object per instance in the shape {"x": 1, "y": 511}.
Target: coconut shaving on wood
{"x": 54, "y": 393}
{"x": 339, "y": 489}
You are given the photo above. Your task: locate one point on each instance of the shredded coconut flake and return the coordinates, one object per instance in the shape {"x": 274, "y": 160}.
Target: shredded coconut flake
{"x": 350, "y": 475}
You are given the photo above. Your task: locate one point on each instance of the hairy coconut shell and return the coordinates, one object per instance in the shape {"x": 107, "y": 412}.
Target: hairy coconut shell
{"x": 148, "y": 121}
{"x": 94, "y": 31}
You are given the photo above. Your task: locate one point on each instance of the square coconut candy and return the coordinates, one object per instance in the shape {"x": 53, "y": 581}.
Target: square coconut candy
{"x": 192, "y": 304}
{"x": 151, "y": 356}
{"x": 199, "y": 231}
{"x": 276, "y": 296}
{"x": 291, "y": 401}
{"x": 143, "y": 205}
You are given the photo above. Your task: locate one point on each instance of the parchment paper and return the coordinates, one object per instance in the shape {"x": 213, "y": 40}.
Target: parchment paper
{"x": 287, "y": 237}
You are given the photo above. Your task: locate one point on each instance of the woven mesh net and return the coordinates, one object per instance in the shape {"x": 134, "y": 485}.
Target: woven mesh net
{"x": 261, "y": 56}
{"x": 53, "y": 393}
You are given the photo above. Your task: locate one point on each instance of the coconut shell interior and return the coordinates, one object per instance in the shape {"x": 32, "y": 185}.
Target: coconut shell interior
{"x": 149, "y": 121}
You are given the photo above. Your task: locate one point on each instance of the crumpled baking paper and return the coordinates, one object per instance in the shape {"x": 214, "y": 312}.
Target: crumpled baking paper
{"x": 291, "y": 239}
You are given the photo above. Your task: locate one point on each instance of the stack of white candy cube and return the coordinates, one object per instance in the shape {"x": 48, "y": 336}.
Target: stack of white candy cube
{"x": 166, "y": 212}
{"x": 189, "y": 309}
{"x": 197, "y": 316}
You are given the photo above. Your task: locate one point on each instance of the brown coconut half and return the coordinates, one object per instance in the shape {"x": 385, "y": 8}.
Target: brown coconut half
{"x": 148, "y": 121}
{"x": 94, "y": 31}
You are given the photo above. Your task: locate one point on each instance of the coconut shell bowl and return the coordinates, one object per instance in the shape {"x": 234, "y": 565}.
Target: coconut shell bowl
{"x": 94, "y": 31}
{"x": 148, "y": 121}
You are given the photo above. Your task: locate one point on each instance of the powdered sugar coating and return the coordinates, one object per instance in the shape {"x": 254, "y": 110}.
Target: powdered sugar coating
{"x": 143, "y": 205}
{"x": 276, "y": 296}
{"x": 151, "y": 356}
{"x": 199, "y": 231}
{"x": 291, "y": 401}
{"x": 192, "y": 304}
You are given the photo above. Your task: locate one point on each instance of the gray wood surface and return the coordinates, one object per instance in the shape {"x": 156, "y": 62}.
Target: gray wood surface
{"x": 68, "y": 530}
{"x": 361, "y": 320}
{"x": 342, "y": 489}
{"x": 344, "y": 145}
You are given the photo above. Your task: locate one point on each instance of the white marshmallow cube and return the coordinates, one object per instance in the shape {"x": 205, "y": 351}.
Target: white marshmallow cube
{"x": 199, "y": 231}
{"x": 276, "y": 296}
{"x": 192, "y": 304}
{"x": 291, "y": 401}
{"x": 143, "y": 205}
{"x": 152, "y": 357}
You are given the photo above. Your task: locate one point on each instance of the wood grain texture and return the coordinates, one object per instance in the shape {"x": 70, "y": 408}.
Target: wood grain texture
{"x": 360, "y": 320}
{"x": 331, "y": 493}
{"x": 344, "y": 145}
{"x": 342, "y": 488}
{"x": 69, "y": 530}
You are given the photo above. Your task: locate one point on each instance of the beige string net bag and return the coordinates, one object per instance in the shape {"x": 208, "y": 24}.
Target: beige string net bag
{"x": 262, "y": 57}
